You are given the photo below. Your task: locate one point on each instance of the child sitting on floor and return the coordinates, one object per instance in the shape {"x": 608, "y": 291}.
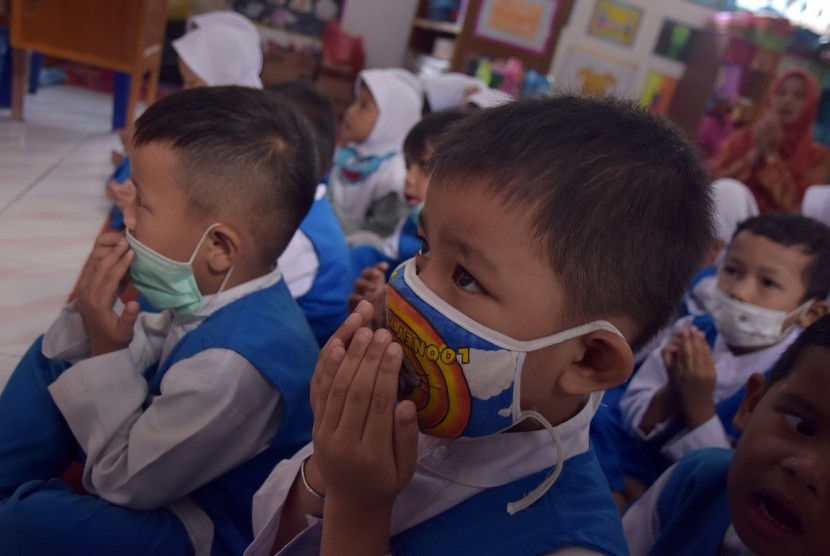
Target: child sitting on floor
{"x": 772, "y": 282}
{"x": 366, "y": 182}
{"x": 177, "y": 416}
{"x": 506, "y": 346}
{"x": 769, "y": 496}
{"x": 316, "y": 264}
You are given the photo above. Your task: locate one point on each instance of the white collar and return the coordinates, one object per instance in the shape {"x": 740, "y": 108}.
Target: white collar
{"x": 505, "y": 457}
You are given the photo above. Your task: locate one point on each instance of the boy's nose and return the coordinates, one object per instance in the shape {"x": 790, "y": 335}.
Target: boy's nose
{"x": 741, "y": 290}
{"x": 808, "y": 468}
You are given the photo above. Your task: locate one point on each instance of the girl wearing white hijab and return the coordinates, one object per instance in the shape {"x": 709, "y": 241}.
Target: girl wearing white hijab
{"x": 221, "y": 48}
{"x": 450, "y": 90}
{"x": 816, "y": 203}
{"x": 367, "y": 179}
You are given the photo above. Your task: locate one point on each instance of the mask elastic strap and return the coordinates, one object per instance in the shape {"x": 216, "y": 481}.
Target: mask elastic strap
{"x": 544, "y": 487}
{"x": 201, "y": 240}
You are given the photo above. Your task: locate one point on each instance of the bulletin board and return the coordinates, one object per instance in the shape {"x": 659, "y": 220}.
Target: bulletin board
{"x": 304, "y": 17}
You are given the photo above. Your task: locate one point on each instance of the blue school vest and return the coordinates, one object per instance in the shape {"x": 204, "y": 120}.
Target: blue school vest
{"x": 268, "y": 329}
{"x": 577, "y": 510}
{"x": 693, "y": 508}
{"x": 325, "y": 304}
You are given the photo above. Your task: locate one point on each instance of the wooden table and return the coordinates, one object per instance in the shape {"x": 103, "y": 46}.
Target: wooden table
{"x": 124, "y": 35}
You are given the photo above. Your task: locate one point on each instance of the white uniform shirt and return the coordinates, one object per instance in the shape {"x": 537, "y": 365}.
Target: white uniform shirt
{"x": 224, "y": 411}
{"x": 732, "y": 373}
{"x": 448, "y": 472}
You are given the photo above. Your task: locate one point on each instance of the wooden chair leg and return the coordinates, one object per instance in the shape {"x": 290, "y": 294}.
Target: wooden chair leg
{"x": 20, "y": 82}
{"x": 153, "y": 85}
{"x": 135, "y": 94}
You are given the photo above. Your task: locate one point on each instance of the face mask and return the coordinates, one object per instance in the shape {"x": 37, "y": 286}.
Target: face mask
{"x": 462, "y": 376}
{"x": 167, "y": 284}
{"x": 747, "y": 326}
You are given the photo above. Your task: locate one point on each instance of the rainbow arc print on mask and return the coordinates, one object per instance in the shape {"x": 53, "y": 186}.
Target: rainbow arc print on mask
{"x": 461, "y": 384}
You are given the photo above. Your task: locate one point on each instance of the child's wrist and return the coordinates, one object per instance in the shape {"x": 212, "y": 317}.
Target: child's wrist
{"x": 311, "y": 479}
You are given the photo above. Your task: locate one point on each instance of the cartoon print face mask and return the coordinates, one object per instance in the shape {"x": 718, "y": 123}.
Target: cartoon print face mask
{"x": 463, "y": 377}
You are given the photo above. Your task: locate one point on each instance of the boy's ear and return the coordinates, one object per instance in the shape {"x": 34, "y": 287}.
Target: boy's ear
{"x": 604, "y": 360}
{"x": 755, "y": 388}
{"x": 817, "y": 310}
{"x": 222, "y": 244}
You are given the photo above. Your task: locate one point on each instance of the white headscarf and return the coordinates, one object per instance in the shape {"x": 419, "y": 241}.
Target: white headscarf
{"x": 222, "y": 48}
{"x": 490, "y": 98}
{"x": 448, "y": 90}
{"x": 734, "y": 203}
{"x": 816, "y": 203}
{"x": 399, "y": 100}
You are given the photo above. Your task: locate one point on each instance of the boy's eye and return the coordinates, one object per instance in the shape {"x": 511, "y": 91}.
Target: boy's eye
{"x": 799, "y": 425}
{"x": 729, "y": 270}
{"x": 465, "y": 280}
{"x": 767, "y": 283}
{"x": 424, "y": 250}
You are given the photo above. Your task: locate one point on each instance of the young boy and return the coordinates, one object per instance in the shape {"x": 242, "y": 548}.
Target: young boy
{"x": 405, "y": 242}
{"x": 316, "y": 263}
{"x": 769, "y": 496}
{"x": 772, "y": 282}
{"x": 517, "y": 312}
{"x": 177, "y": 416}
{"x": 368, "y": 175}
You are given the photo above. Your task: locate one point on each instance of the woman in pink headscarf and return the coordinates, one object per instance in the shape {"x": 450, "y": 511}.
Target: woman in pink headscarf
{"x": 776, "y": 157}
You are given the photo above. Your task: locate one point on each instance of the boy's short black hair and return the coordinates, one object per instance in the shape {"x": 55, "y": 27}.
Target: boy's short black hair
{"x": 316, "y": 106}
{"x": 617, "y": 197}
{"x": 817, "y": 334}
{"x": 429, "y": 129}
{"x": 241, "y": 154}
{"x": 803, "y": 233}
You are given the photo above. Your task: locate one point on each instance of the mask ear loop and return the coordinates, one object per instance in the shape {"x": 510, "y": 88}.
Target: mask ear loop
{"x": 542, "y": 489}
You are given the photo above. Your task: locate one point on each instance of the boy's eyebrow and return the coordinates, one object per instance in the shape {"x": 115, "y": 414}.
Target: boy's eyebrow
{"x": 465, "y": 248}
{"x": 794, "y": 398}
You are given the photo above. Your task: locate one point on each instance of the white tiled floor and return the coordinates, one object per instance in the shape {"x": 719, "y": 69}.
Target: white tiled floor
{"x": 53, "y": 168}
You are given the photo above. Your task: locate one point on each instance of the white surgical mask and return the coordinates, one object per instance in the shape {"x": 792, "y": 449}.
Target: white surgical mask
{"x": 745, "y": 325}
{"x": 463, "y": 377}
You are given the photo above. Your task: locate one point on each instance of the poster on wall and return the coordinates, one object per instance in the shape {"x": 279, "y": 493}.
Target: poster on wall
{"x": 675, "y": 40}
{"x": 591, "y": 74}
{"x": 658, "y": 91}
{"x": 305, "y": 17}
{"x": 525, "y": 24}
{"x": 615, "y": 21}
{"x": 723, "y": 5}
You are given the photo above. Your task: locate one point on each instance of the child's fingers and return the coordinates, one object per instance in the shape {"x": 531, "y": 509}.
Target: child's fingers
{"x": 363, "y": 390}
{"x": 405, "y": 440}
{"x": 324, "y": 374}
{"x": 342, "y": 380}
{"x": 379, "y": 422}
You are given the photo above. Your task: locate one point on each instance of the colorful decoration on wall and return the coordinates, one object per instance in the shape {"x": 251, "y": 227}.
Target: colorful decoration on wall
{"x": 525, "y": 24}
{"x": 615, "y": 21}
{"x": 305, "y": 17}
{"x": 592, "y": 74}
{"x": 674, "y": 40}
{"x": 658, "y": 91}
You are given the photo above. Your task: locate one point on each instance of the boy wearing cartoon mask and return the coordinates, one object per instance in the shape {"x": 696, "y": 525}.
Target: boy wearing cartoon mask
{"x": 772, "y": 283}
{"x": 505, "y": 342}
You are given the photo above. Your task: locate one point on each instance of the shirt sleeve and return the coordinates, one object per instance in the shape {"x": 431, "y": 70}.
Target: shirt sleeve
{"x": 649, "y": 379}
{"x": 641, "y": 522}
{"x": 268, "y": 504}
{"x": 299, "y": 264}
{"x": 214, "y": 411}
{"x": 710, "y": 434}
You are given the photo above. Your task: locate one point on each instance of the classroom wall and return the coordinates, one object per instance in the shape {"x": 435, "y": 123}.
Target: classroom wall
{"x": 385, "y": 27}
{"x": 639, "y": 54}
